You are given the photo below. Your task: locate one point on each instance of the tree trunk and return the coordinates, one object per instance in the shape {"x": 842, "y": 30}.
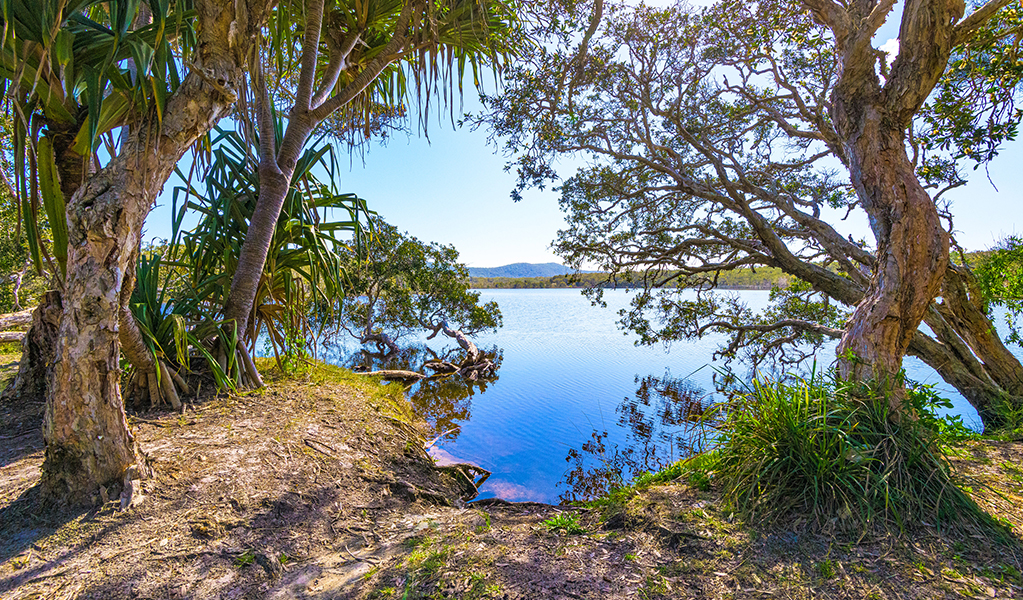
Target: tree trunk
{"x": 275, "y": 174}
{"x": 38, "y": 349}
{"x": 88, "y": 444}
{"x": 967, "y": 375}
{"x": 911, "y": 258}
{"x": 962, "y": 306}
{"x": 871, "y": 121}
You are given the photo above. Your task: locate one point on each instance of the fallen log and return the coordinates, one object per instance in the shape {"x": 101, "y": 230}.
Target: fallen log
{"x": 18, "y": 319}
{"x": 11, "y": 336}
{"x": 394, "y": 374}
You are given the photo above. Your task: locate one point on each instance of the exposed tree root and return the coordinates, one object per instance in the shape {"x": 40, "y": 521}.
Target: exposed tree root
{"x": 466, "y": 475}
{"x": 162, "y": 385}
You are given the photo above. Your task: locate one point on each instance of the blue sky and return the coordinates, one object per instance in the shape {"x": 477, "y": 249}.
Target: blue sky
{"x": 453, "y": 189}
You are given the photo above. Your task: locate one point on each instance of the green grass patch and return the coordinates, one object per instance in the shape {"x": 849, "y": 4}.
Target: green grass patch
{"x": 837, "y": 454}
{"x": 564, "y": 522}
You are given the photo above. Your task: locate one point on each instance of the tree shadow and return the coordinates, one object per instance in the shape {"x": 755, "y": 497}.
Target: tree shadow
{"x": 21, "y": 429}
{"x": 30, "y": 519}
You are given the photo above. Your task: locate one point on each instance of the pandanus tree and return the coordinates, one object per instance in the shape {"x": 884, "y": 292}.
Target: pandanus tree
{"x": 355, "y": 59}
{"x": 303, "y": 281}
{"x": 75, "y": 70}
{"x": 722, "y": 139}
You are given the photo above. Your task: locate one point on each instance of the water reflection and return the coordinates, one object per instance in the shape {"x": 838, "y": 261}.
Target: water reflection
{"x": 444, "y": 402}
{"x": 665, "y": 422}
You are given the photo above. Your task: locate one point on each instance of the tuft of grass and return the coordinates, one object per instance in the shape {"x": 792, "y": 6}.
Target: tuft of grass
{"x": 834, "y": 452}
{"x": 826, "y": 569}
{"x": 564, "y": 522}
{"x": 245, "y": 559}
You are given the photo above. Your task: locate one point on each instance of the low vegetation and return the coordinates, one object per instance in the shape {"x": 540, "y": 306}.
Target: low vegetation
{"x": 741, "y": 279}
{"x": 317, "y": 486}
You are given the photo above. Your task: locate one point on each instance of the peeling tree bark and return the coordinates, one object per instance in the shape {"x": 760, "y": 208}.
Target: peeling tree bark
{"x": 88, "y": 443}
{"x": 871, "y": 120}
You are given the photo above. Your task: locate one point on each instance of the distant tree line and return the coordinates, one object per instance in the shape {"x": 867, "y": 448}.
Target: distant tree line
{"x": 741, "y": 279}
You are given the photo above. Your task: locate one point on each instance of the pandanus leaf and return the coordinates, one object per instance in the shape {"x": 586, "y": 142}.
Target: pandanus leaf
{"x": 53, "y": 201}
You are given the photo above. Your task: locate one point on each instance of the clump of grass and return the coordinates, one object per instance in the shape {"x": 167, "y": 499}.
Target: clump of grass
{"x": 564, "y": 522}
{"x": 834, "y": 452}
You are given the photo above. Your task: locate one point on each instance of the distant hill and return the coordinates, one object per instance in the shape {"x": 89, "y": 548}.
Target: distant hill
{"x": 521, "y": 270}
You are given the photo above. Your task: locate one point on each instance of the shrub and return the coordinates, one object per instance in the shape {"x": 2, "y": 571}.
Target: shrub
{"x": 835, "y": 452}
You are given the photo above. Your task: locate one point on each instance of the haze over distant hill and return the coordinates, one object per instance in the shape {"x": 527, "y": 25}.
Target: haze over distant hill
{"x": 521, "y": 270}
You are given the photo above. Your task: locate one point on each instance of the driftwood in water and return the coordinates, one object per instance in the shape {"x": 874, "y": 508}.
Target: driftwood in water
{"x": 385, "y": 344}
{"x": 394, "y": 374}
{"x": 474, "y": 366}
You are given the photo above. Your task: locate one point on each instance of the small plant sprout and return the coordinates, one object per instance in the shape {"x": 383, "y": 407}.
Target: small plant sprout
{"x": 566, "y": 522}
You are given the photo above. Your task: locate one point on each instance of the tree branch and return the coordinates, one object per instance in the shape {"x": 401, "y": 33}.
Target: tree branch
{"x": 310, "y": 55}
{"x": 972, "y": 23}
{"x": 391, "y": 51}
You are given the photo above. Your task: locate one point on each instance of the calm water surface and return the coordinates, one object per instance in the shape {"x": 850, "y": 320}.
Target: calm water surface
{"x": 567, "y": 374}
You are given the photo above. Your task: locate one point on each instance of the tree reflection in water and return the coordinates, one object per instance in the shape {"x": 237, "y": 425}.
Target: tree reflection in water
{"x": 445, "y": 402}
{"x": 664, "y": 422}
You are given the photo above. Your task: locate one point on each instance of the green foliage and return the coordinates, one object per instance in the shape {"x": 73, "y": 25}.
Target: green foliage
{"x": 399, "y": 284}
{"x": 1000, "y": 278}
{"x": 14, "y": 250}
{"x": 71, "y": 72}
{"x": 973, "y": 111}
{"x": 303, "y": 280}
{"x": 566, "y": 522}
{"x": 926, "y": 402}
{"x": 245, "y": 559}
{"x": 834, "y": 452}
{"x": 172, "y": 326}
{"x": 740, "y": 279}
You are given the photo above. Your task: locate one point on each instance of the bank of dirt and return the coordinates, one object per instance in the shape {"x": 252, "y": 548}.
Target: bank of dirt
{"x": 318, "y": 487}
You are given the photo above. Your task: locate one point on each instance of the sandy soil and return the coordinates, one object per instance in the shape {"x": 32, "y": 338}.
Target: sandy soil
{"x": 318, "y": 487}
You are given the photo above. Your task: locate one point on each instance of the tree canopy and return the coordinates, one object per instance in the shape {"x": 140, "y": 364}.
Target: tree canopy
{"x": 399, "y": 284}
{"x": 714, "y": 141}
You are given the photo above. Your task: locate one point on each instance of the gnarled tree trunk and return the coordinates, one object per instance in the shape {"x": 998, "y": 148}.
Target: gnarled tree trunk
{"x": 88, "y": 444}
{"x": 871, "y": 120}
{"x": 911, "y": 259}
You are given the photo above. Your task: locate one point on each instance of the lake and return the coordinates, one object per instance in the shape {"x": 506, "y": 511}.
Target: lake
{"x": 569, "y": 382}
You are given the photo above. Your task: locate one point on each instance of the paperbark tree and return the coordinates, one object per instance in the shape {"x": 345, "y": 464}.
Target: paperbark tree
{"x": 713, "y": 139}
{"x": 88, "y": 443}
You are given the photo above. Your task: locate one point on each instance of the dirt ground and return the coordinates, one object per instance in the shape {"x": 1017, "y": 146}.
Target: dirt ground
{"x": 319, "y": 487}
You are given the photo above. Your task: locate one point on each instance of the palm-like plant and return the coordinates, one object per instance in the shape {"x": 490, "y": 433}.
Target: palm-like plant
{"x": 72, "y": 72}
{"x": 303, "y": 275}
{"x": 355, "y": 59}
